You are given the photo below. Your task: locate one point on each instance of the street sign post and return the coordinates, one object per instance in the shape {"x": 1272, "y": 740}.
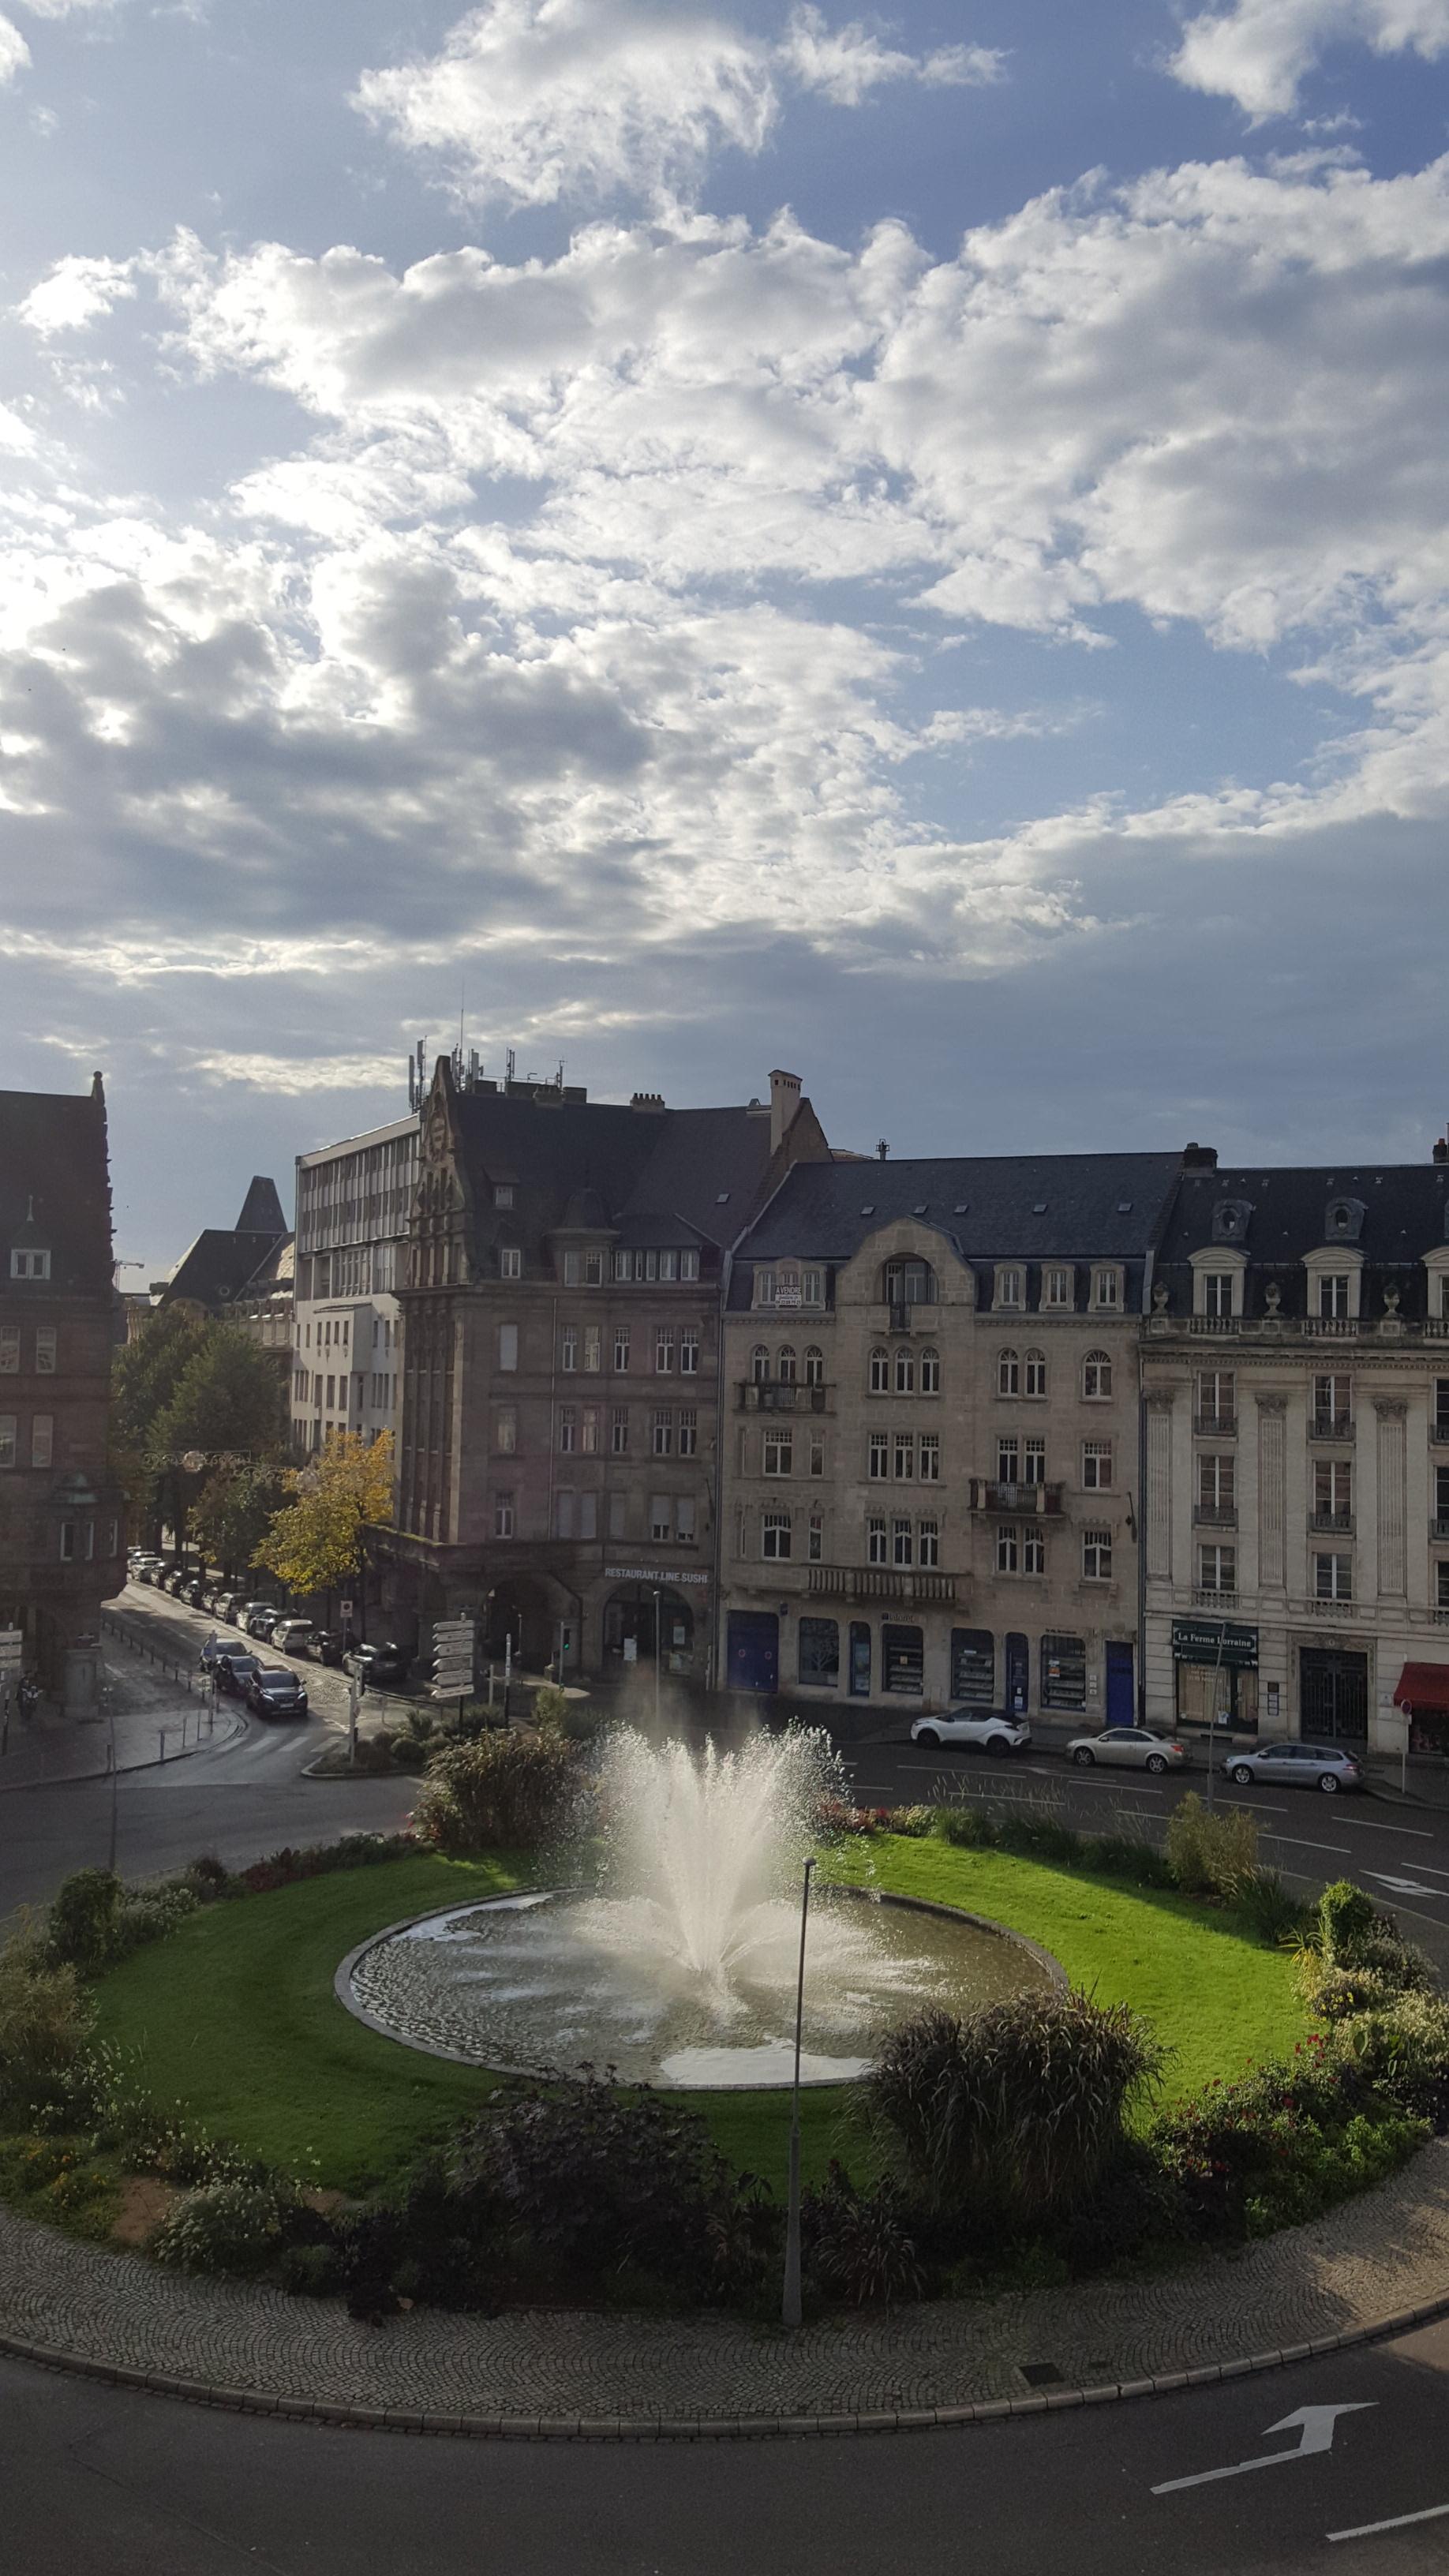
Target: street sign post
{"x": 455, "y": 1644}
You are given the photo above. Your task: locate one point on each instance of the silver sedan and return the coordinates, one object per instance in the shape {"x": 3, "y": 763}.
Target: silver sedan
{"x": 1135, "y": 1746}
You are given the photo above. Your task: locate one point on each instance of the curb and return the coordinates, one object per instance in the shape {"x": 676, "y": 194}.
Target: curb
{"x": 124, "y": 1770}
{"x": 700, "y": 2428}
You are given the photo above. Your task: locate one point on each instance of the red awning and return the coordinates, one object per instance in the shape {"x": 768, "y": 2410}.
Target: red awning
{"x": 1423, "y": 1686}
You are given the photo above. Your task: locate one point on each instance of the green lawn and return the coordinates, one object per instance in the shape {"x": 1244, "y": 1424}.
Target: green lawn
{"x": 235, "y": 2016}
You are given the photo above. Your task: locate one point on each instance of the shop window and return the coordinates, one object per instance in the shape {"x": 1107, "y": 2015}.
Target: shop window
{"x": 819, "y": 1653}
{"x": 903, "y": 1660}
{"x": 1063, "y": 1672}
{"x": 973, "y": 1667}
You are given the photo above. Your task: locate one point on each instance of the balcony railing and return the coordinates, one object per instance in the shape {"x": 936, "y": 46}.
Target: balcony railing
{"x": 1439, "y": 1525}
{"x": 879, "y": 1583}
{"x": 1439, "y": 1430}
{"x": 1340, "y": 1522}
{"x": 1320, "y": 1608}
{"x": 1019, "y": 1501}
{"x": 1206, "y": 1596}
{"x": 1330, "y": 1426}
{"x": 1214, "y": 1323}
{"x": 917, "y": 1317}
{"x": 1331, "y": 1328}
{"x": 1215, "y": 1515}
{"x": 772, "y": 1396}
{"x": 1215, "y": 1426}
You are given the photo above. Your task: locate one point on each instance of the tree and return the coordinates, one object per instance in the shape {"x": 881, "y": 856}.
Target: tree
{"x": 144, "y": 1380}
{"x": 234, "y": 1511}
{"x": 189, "y": 1384}
{"x": 228, "y": 1397}
{"x": 319, "y": 1541}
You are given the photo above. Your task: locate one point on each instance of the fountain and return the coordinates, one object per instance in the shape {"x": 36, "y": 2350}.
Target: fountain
{"x": 679, "y": 1966}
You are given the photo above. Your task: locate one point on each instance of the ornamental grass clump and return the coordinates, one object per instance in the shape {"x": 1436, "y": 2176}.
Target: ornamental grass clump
{"x": 1016, "y": 2111}
{"x": 506, "y": 1791}
{"x": 1212, "y": 1851}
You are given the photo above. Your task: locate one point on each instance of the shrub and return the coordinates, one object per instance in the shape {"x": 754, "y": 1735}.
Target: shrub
{"x": 1038, "y": 1837}
{"x": 550, "y": 1705}
{"x": 915, "y": 1822}
{"x": 224, "y": 2227}
{"x": 1129, "y": 1856}
{"x": 83, "y": 1919}
{"x": 1211, "y": 1851}
{"x": 967, "y": 1828}
{"x": 148, "y": 1914}
{"x": 506, "y": 1789}
{"x": 1286, "y": 2140}
{"x": 858, "y": 2245}
{"x": 1017, "y": 2109}
{"x": 1269, "y": 1911}
{"x": 44, "y": 2018}
{"x": 1402, "y": 2050}
{"x": 311, "y": 2271}
{"x": 1346, "y": 1918}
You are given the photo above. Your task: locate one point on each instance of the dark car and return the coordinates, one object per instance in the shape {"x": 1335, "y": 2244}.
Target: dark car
{"x": 194, "y": 1593}
{"x": 325, "y": 1646}
{"x": 260, "y": 1623}
{"x": 275, "y": 1692}
{"x": 377, "y": 1665}
{"x": 234, "y": 1672}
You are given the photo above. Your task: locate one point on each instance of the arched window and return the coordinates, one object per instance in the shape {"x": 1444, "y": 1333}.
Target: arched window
{"x": 1008, "y": 1373}
{"x": 905, "y": 1372}
{"x": 910, "y": 1283}
{"x": 880, "y": 1371}
{"x": 760, "y": 1364}
{"x": 785, "y": 1364}
{"x": 1097, "y": 1374}
{"x": 1036, "y": 1378}
{"x": 930, "y": 1372}
{"x": 814, "y": 1365}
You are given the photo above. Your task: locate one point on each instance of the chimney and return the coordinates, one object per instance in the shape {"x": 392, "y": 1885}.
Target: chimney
{"x": 784, "y": 1101}
{"x": 650, "y": 1100}
{"x": 1441, "y": 1149}
{"x": 1199, "y": 1158}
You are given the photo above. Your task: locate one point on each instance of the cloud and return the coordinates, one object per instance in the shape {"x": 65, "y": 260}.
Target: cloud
{"x": 14, "y": 51}
{"x": 530, "y": 101}
{"x": 1259, "y": 51}
{"x": 75, "y": 293}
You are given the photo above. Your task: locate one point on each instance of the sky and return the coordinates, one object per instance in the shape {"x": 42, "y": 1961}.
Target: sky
{"x": 682, "y": 539}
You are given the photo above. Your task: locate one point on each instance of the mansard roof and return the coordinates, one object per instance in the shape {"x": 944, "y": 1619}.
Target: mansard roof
{"x": 1023, "y": 1207}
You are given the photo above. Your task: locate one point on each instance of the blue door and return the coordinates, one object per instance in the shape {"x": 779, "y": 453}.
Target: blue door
{"x": 1121, "y": 1692}
{"x": 1017, "y": 1658}
{"x": 752, "y": 1651}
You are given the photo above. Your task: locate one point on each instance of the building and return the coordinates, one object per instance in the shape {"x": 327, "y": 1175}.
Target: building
{"x": 1296, "y": 1396}
{"x": 61, "y": 1519}
{"x": 354, "y": 1202}
{"x": 557, "y": 1461}
{"x": 235, "y": 1273}
{"x": 930, "y": 1462}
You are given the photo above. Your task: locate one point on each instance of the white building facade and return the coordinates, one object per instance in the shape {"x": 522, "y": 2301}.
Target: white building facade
{"x": 354, "y": 1201}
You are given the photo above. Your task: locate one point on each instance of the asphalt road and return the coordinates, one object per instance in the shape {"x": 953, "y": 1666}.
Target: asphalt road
{"x": 98, "y": 2482}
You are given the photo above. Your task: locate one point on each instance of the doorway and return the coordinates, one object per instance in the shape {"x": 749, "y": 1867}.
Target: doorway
{"x": 1121, "y": 1687}
{"x": 1332, "y": 1696}
{"x": 1017, "y": 1655}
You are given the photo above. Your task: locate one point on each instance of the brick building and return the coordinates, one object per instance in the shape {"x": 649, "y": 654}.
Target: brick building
{"x": 61, "y": 1519}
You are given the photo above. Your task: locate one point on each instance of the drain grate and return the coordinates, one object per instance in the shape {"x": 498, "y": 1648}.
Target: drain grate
{"x": 1040, "y": 2374}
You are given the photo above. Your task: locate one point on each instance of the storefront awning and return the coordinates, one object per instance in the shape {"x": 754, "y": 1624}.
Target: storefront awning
{"x": 1423, "y": 1686}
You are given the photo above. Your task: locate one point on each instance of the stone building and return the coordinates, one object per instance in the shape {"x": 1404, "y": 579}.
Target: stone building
{"x": 930, "y": 1450}
{"x": 354, "y": 1204}
{"x": 557, "y": 1459}
{"x": 61, "y": 1520}
{"x": 231, "y": 1272}
{"x": 1296, "y": 1395}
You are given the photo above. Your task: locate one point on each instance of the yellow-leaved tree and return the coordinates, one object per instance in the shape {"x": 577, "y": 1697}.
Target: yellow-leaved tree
{"x": 317, "y": 1543}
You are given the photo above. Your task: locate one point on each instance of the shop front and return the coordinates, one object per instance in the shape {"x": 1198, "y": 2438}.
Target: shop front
{"x": 649, "y": 1611}
{"x": 1422, "y": 1693}
{"x": 1215, "y": 1669}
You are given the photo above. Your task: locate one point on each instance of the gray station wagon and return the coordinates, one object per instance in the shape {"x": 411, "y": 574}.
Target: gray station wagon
{"x": 1329, "y": 1767}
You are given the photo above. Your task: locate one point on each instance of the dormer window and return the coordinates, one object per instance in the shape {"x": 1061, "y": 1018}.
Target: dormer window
{"x": 1056, "y": 1288}
{"x": 593, "y": 1269}
{"x": 510, "y": 1262}
{"x": 910, "y": 1283}
{"x": 503, "y": 1194}
{"x": 764, "y": 1287}
{"x": 1343, "y": 1220}
{"x": 1008, "y": 1288}
{"x": 29, "y": 1264}
{"x": 1334, "y": 1292}
{"x": 1230, "y": 1220}
{"x": 1107, "y": 1289}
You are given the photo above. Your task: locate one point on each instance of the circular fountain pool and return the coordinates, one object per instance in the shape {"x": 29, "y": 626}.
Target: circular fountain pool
{"x": 552, "y": 1979}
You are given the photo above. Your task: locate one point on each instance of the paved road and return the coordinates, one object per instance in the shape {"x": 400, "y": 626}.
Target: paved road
{"x": 98, "y": 2482}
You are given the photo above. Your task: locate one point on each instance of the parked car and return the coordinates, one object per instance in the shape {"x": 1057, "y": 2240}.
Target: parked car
{"x": 375, "y": 1666}
{"x": 223, "y": 1605}
{"x": 979, "y": 1730}
{"x": 273, "y": 1691}
{"x": 260, "y": 1623}
{"x": 1296, "y": 1766}
{"x": 325, "y": 1646}
{"x": 1140, "y": 1747}
{"x": 213, "y": 1651}
{"x": 234, "y": 1671}
{"x": 241, "y": 1610}
{"x": 174, "y": 1582}
{"x": 148, "y": 1573}
{"x": 193, "y": 1593}
{"x": 290, "y": 1636}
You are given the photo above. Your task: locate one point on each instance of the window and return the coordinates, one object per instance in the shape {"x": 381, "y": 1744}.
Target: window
{"x": 45, "y": 1350}
{"x": 910, "y": 1283}
{"x": 7, "y": 1439}
{"x": 510, "y": 1262}
{"x": 661, "y": 1518}
{"x": 904, "y": 1460}
{"x": 619, "y": 1431}
{"x": 507, "y": 1346}
{"x": 1056, "y": 1288}
{"x": 1216, "y": 1483}
{"x": 817, "y": 1453}
{"x": 1333, "y": 1578}
{"x": 1096, "y": 1377}
{"x": 689, "y": 1263}
{"x": 67, "y": 1542}
{"x": 688, "y": 1432}
{"x": 593, "y": 1350}
{"x": 1442, "y": 1575}
{"x": 668, "y": 1265}
{"x": 760, "y": 1365}
{"x": 1096, "y": 1466}
{"x": 689, "y": 1351}
{"x": 900, "y": 1542}
{"x": 764, "y": 1287}
{"x": 1333, "y": 1495}
{"x": 9, "y": 1350}
{"x": 663, "y": 1442}
{"x": 568, "y": 1429}
{"x": 1033, "y": 1464}
{"x": 814, "y": 1365}
{"x": 1036, "y": 1373}
{"x": 1063, "y": 1672}
{"x": 1008, "y": 1459}
{"x": 1096, "y": 1555}
{"x": 618, "y": 1516}
{"x": 1441, "y": 1403}
{"x": 779, "y": 1453}
{"x": 905, "y": 1372}
{"x": 1008, "y": 1288}
{"x": 331, "y": 1394}
{"x": 113, "y": 1538}
{"x": 593, "y": 1269}
{"x": 1333, "y": 1294}
{"x": 775, "y": 1535}
{"x": 875, "y": 1541}
{"x": 879, "y": 1455}
{"x": 568, "y": 1356}
{"x": 664, "y": 1350}
{"x": 819, "y": 1646}
{"x": 505, "y": 1430}
{"x": 973, "y": 1667}
{"x": 902, "y": 1659}
{"x": 1106, "y": 1288}
{"x": 1008, "y": 1373}
{"x": 30, "y": 1265}
{"x": 570, "y": 1270}
{"x": 623, "y": 1265}
{"x": 503, "y": 1516}
{"x": 1033, "y": 1551}
{"x": 930, "y": 1372}
{"x": 812, "y": 1288}
{"x": 621, "y": 1349}
{"x": 929, "y": 1542}
{"x": 1331, "y": 1404}
{"x": 588, "y": 1515}
{"x": 1217, "y": 1399}
{"x": 503, "y": 1194}
{"x": 1008, "y": 1548}
{"x": 880, "y": 1371}
{"x": 684, "y": 1518}
{"x": 1217, "y": 1292}
{"x": 1217, "y": 1569}
{"x": 785, "y": 1364}
{"x": 815, "y": 1545}
{"x": 589, "y": 1431}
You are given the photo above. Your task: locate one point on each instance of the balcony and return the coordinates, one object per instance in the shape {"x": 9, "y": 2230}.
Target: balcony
{"x": 1330, "y": 1426}
{"x": 1214, "y": 1323}
{"x": 1210, "y": 1597}
{"x": 1339, "y": 1524}
{"x": 772, "y": 1396}
{"x": 1215, "y": 1515}
{"x": 1324, "y": 1609}
{"x": 1018, "y": 1502}
{"x": 917, "y": 1317}
{"x": 879, "y": 1583}
{"x": 1215, "y": 1426}
{"x": 1439, "y": 1525}
{"x": 1330, "y": 1328}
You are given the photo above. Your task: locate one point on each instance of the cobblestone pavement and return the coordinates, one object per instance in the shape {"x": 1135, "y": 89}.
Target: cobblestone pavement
{"x": 1375, "y": 2258}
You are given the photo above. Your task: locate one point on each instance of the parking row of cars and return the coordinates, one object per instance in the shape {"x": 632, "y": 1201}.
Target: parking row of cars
{"x": 1294, "y": 1765}
{"x": 272, "y": 1625}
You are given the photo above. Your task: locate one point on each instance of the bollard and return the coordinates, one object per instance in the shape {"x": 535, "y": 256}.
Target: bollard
{"x": 161, "y": 1740}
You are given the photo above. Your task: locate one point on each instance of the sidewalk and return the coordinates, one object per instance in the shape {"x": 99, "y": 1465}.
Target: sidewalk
{"x": 154, "y": 1717}
{"x": 1373, "y": 2265}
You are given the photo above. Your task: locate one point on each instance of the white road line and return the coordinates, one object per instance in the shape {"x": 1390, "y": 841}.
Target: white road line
{"x": 1301, "y": 1842}
{"x": 1396, "y": 2522}
{"x": 1420, "y": 1833}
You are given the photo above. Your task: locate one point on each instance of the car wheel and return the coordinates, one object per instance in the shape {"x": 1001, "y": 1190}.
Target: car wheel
{"x": 996, "y": 1746}
{"x": 1155, "y": 1762}
{"x": 1084, "y": 1757}
{"x": 929, "y": 1737}
{"x": 1242, "y": 1775}
{"x": 1328, "y": 1783}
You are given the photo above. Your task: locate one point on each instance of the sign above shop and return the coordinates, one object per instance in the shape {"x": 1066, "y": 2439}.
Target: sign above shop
{"x": 651, "y": 1574}
{"x": 1211, "y": 1641}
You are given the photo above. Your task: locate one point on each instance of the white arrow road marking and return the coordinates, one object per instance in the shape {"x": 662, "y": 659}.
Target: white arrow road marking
{"x": 1315, "y": 2427}
{"x": 1403, "y": 1886}
{"x": 1364, "y": 2530}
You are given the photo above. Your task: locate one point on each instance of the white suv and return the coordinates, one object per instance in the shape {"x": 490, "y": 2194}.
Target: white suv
{"x": 983, "y": 1730}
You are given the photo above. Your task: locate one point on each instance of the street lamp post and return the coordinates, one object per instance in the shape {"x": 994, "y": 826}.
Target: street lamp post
{"x": 790, "y": 2306}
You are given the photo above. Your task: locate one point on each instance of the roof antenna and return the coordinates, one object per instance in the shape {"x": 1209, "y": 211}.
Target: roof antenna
{"x": 882, "y": 1149}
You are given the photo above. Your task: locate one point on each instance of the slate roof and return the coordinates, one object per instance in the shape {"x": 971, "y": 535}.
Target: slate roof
{"x": 219, "y": 1268}
{"x": 53, "y": 1160}
{"x": 1405, "y": 1214}
{"x": 261, "y": 1209}
{"x": 657, "y": 1176}
{"x": 1022, "y": 1207}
